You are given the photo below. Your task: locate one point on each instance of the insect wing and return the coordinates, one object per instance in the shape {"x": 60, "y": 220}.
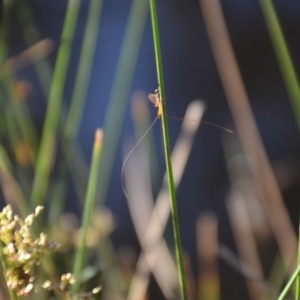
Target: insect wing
{"x": 152, "y": 98}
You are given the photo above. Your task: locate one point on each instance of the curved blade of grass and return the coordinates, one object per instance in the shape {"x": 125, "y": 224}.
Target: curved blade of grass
{"x": 166, "y": 139}
{"x": 283, "y": 55}
{"x": 289, "y": 284}
{"x": 88, "y": 208}
{"x": 119, "y": 95}
{"x": 46, "y": 150}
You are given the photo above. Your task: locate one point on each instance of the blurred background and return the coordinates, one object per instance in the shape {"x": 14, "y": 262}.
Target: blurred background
{"x": 237, "y": 193}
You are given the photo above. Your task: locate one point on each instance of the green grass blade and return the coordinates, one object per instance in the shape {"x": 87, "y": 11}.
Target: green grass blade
{"x": 7, "y": 178}
{"x": 88, "y": 208}
{"x": 289, "y": 284}
{"x": 166, "y": 139}
{"x": 74, "y": 115}
{"x": 20, "y": 118}
{"x": 121, "y": 86}
{"x": 288, "y": 72}
{"x": 44, "y": 72}
{"x": 47, "y": 146}
{"x": 283, "y": 55}
{"x": 84, "y": 68}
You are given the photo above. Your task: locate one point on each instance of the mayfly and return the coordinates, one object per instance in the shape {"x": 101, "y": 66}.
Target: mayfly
{"x": 156, "y": 100}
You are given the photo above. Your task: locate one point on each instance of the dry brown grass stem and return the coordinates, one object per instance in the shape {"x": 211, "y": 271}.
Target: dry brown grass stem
{"x": 262, "y": 173}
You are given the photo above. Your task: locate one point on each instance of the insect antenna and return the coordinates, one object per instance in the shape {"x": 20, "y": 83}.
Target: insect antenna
{"x": 207, "y": 123}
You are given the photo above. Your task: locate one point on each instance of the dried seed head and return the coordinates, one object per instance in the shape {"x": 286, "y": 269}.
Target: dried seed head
{"x": 22, "y": 252}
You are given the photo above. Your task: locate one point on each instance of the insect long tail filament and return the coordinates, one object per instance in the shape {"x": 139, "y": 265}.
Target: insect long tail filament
{"x": 130, "y": 152}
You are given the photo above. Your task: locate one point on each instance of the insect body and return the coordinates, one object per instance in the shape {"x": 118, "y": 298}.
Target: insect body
{"x": 155, "y": 99}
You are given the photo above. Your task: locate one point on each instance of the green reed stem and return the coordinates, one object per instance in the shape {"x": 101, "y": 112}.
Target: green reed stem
{"x": 289, "y": 284}
{"x": 166, "y": 139}
{"x": 73, "y": 120}
{"x": 119, "y": 93}
{"x": 288, "y": 72}
{"x": 47, "y": 146}
{"x": 283, "y": 56}
{"x": 88, "y": 208}
{"x": 84, "y": 68}
{"x": 44, "y": 72}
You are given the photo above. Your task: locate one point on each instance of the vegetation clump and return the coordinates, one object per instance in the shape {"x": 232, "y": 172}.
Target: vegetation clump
{"x": 22, "y": 253}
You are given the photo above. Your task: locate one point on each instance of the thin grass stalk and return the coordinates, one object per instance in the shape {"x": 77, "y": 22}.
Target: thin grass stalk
{"x": 166, "y": 139}
{"x": 47, "y": 146}
{"x": 76, "y": 108}
{"x": 84, "y": 68}
{"x": 160, "y": 213}
{"x": 288, "y": 72}
{"x": 16, "y": 99}
{"x": 44, "y": 72}
{"x": 289, "y": 284}
{"x": 6, "y": 178}
{"x": 120, "y": 90}
{"x": 19, "y": 112}
{"x": 88, "y": 208}
{"x": 283, "y": 55}
{"x": 277, "y": 274}
{"x": 20, "y": 118}
{"x": 14, "y": 139}
{"x": 251, "y": 142}
{"x": 156, "y": 256}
